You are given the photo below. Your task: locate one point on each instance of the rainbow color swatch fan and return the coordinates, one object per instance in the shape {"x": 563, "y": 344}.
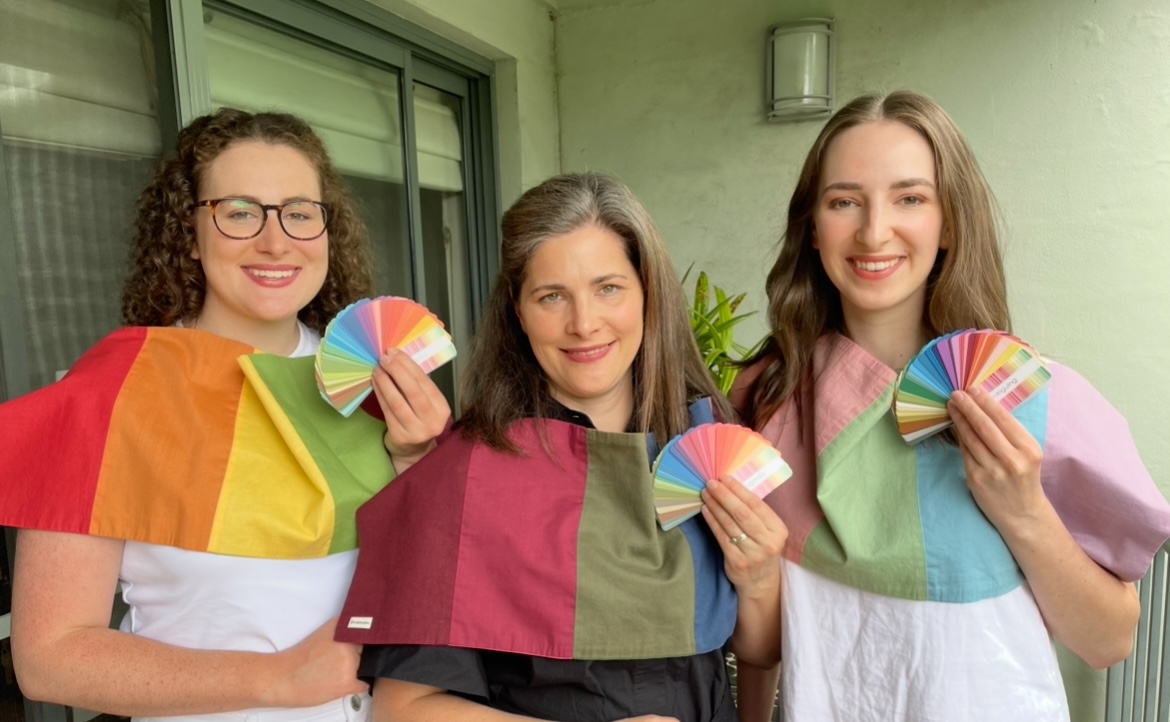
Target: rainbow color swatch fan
{"x": 711, "y": 451}
{"x": 997, "y": 362}
{"x": 362, "y": 332}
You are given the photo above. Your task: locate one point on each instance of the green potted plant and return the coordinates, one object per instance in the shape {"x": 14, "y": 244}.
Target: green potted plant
{"x": 714, "y": 327}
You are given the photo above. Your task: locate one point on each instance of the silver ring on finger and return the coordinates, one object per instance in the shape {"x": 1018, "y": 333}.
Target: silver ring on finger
{"x": 742, "y": 537}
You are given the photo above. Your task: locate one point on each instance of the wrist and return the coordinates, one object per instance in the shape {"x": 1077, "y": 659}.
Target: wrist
{"x": 272, "y": 670}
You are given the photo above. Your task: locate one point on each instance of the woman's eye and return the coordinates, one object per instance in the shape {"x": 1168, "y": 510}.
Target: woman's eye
{"x": 609, "y": 289}
{"x": 550, "y": 298}
{"x": 839, "y": 203}
{"x": 912, "y": 201}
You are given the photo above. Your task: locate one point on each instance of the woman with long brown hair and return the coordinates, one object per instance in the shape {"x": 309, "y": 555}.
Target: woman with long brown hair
{"x": 926, "y": 581}
{"x": 541, "y": 584}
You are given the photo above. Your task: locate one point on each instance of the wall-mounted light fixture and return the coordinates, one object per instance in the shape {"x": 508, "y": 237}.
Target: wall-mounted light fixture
{"x": 800, "y": 70}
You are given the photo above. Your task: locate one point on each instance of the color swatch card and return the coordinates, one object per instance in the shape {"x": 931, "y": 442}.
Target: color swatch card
{"x": 708, "y": 452}
{"x": 362, "y": 333}
{"x": 999, "y": 363}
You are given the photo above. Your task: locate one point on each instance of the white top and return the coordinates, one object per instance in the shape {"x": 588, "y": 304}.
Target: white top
{"x": 855, "y": 656}
{"x": 209, "y": 601}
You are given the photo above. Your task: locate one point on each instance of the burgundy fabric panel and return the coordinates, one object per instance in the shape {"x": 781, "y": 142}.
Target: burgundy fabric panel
{"x": 530, "y": 507}
{"x": 409, "y": 534}
{"x": 54, "y": 439}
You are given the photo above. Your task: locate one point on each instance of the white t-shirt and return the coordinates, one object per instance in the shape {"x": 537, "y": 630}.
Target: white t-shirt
{"x": 209, "y": 601}
{"x": 854, "y": 656}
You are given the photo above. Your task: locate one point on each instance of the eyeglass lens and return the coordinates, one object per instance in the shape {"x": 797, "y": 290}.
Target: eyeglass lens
{"x": 302, "y": 220}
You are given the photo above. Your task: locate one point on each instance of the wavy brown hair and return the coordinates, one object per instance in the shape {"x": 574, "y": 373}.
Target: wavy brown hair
{"x": 166, "y": 285}
{"x": 965, "y": 288}
{"x": 505, "y": 383}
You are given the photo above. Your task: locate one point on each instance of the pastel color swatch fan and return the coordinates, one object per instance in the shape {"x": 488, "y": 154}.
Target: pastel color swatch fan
{"x": 997, "y": 362}
{"x": 358, "y": 336}
{"x": 707, "y": 452}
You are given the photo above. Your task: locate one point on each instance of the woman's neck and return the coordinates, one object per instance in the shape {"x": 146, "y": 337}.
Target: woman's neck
{"x": 893, "y": 340}
{"x": 610, "y": 412}
{"x": 279, "y": 337}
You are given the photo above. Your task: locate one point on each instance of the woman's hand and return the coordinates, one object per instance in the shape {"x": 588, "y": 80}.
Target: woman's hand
{"x": 416, "y": 411}
{"x": 1002, "y": 460}
{"x": 318, "y": 670}
{"x": 751, "y": 535}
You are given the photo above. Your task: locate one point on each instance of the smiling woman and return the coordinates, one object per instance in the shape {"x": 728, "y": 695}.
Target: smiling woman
{"x": 581, "y": 307}
{"x": 219, "y": 621}
{"x": 541, "y": 583}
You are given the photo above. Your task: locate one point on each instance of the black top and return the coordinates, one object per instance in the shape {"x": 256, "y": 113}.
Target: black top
{"x": 692, "y": 689}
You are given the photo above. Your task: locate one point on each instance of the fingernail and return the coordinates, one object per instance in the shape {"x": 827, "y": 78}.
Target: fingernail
{"x": 713, "y": 484}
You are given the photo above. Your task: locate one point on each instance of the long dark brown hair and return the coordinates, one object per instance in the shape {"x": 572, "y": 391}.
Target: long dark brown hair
{"x": 166, "y": 285}
{"x": 965, "y": 289}
{"x": 505, "y": 383}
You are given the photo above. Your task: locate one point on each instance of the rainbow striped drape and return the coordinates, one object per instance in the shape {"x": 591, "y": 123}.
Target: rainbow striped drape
{"x": 554, "y": 553}
{"x": 182, "y": 438}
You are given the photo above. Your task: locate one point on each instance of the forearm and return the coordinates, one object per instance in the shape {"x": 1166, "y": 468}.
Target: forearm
{"x": 1089, "y": 610}
{"x": 757, "y": 626}
{"x": 756, "y": 691}
{"x": 396, "y": 701}
{"x": 123, "y": 674}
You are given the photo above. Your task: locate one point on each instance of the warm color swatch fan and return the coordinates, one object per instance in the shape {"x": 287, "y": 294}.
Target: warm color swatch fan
{"x": 999, "y": 363}
{"x": 707, "y": 452}
{"x": 362, "y": 332}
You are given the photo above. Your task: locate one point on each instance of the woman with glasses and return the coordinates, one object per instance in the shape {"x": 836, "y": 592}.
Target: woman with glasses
{"x": 246, "y": 240}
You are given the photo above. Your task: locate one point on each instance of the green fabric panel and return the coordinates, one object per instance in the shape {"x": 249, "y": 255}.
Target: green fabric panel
{"x": 867, "y": 485}
{"x": 634, "y": 581}
{"x": 350, "y": 452}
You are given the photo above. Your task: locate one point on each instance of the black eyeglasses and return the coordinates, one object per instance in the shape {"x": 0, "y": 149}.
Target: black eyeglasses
{"x": 243, "y": 219}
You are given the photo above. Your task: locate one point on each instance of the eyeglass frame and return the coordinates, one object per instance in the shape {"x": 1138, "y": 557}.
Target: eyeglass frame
{"x": 265, "y": 207}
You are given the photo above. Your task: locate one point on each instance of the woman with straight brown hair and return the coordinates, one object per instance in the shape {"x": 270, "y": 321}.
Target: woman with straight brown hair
{"x": 544, "y": 587}
{"x": 926, "y": 582}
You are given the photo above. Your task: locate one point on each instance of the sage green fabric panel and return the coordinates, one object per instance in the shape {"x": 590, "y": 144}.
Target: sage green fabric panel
{"x": 871, "y": 536}
{"x": 634, "y": 581}
{"x": 349, "y": 451}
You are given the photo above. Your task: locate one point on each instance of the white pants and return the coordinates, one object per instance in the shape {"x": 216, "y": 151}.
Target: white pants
{"x": 354, "y": 708}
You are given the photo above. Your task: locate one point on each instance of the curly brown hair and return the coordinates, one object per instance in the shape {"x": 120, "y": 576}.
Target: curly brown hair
{"x": 166, "y": 285}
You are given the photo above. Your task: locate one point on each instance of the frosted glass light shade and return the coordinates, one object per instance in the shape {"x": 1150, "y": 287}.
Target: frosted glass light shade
{"x": 800, "y": 70}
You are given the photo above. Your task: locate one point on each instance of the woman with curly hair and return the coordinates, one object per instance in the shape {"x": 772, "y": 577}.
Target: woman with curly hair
{"x": 233, "y": 558}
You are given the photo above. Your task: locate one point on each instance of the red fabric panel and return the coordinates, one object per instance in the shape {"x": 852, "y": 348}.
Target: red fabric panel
{"x": 48, "y": 475}
{"x": 532, "y": 508}
{"x": 488, "y": 539}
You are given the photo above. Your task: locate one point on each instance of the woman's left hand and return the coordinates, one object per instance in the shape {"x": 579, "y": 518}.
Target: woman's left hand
{"x": 1001, "y": 457}
{"x": 751, "y": 535}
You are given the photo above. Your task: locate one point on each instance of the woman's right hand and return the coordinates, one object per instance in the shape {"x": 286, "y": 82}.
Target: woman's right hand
{"x": 415, "y": 410}
{"x": 317, "y": 670}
